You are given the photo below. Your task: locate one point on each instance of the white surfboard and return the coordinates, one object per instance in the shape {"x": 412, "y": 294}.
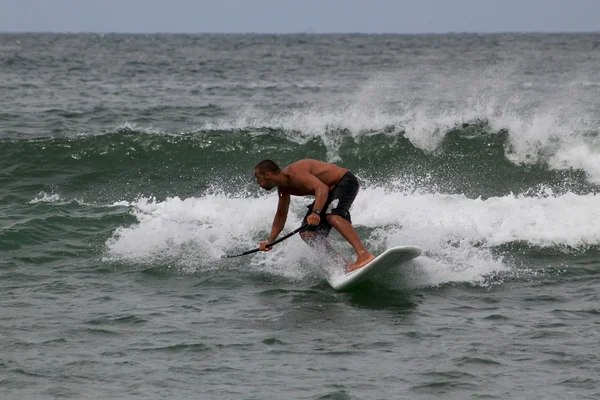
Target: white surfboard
{"x": 386, "y": 260}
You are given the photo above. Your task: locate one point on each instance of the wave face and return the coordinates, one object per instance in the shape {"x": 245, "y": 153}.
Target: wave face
{"x": 175, "y": 199}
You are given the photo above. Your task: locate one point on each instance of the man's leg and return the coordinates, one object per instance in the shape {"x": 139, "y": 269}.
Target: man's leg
{"x": 345, "y": 228}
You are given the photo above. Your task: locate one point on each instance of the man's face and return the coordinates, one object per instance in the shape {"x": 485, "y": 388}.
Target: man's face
{"x": 264, "y": 180}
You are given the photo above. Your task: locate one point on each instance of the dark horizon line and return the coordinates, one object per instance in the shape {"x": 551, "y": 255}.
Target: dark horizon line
{"x": 301, "y": 33}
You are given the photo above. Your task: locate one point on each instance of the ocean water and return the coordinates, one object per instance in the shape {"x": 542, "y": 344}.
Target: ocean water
{"x": 126, "y": 174}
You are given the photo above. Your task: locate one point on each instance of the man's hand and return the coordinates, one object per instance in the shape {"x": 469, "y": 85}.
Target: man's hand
{"x": 263, "y": 246}
{"x": 313, "y": 219}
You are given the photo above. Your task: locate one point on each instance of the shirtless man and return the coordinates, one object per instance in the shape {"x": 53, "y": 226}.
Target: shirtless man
{"x": 334, "y": 188}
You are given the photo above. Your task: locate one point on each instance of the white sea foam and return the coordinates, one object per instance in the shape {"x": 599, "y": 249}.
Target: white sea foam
{"x": 560, "y": 128}
{"x": 458, "y": 234}
{"x": 45, "y": 197}
{"x": 555, "y": 123}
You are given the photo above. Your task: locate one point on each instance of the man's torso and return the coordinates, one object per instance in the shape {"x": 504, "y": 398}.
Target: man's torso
{"x": 329, "y": 174}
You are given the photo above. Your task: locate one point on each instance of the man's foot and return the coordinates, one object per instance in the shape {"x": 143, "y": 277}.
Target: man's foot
{"x": 362, "y": 260}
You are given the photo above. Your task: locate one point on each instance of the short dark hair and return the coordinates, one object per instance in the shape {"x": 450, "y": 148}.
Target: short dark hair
{"x": 267, "y": 166}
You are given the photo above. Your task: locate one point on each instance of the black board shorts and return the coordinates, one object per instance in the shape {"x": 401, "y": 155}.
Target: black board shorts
{"x": 338, "y": 202}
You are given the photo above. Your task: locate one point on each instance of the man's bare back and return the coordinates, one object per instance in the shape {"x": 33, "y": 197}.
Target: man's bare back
{"x": 329, "y": 174}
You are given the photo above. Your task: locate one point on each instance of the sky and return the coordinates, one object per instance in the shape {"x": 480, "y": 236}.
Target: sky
{"x": 300, "y": 16}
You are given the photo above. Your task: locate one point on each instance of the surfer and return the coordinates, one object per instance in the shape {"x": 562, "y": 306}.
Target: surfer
{"x": 334, "y": 189}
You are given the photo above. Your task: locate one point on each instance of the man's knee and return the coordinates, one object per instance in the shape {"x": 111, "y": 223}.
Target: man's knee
{"x": 332, "y": 219}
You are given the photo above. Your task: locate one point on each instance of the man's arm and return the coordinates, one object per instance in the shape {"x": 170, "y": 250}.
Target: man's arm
{"x": 310, "y": 183}
{"x": 281, "y": 215}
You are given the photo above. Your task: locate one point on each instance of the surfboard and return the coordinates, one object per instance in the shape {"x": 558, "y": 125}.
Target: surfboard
{"x": 390, "y": 258}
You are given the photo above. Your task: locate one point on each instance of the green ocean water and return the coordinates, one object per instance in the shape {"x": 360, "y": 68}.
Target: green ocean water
{"x": 126, "y": 174}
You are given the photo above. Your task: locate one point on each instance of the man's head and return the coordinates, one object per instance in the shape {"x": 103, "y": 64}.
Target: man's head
{"x": 265, "y": 172}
